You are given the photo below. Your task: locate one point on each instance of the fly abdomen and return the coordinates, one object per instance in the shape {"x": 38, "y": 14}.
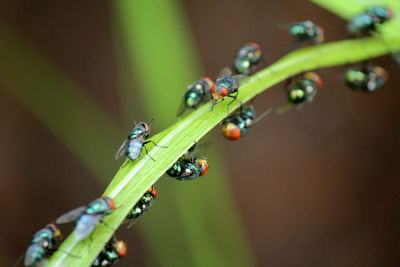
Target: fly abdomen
{"x": 134, "y": 149}
{"x": 176, "y": 170}
{"x": 34, "y": 255}
{"x": 85, "y": 226}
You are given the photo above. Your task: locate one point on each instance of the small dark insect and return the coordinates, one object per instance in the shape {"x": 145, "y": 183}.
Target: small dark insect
{"x": 366, "y": 23}
{"x": 42, "y": 244}
{"x": 87, "y": 217}
{"x": 197, "y": 93}
{"x": 239, "y": 124}
{"x": 304, "y": 89}
{"x": 226, "y": 86}
{"x": 299, "y": 90}
{"x": 188, "y": 167}
{"x": 143, "y": 204}
{"x": 111, "y": 253}
{"x": 306, "y": 31}
{"x": 134, "y": 144}
{"x": 247, "y": 58}
{"x": 368, "y": 79}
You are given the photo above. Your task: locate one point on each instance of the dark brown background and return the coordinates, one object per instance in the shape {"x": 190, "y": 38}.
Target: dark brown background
{"x": 317, "y": 187}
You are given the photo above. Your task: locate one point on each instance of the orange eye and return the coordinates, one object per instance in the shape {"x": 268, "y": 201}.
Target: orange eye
{"x": 231, "y": 131}
{"x": 390, "y": 13}
{"x": 255, "y": 45}
{"x": 224, "y": 92}
{"x": 110, "y": 202}
{"x": 209, "y": 82}
{"x": 204, "y": 166}
{"x": 120, "y": 247}
{"x": 318, "y": 80}
{"x": 213, "y": 88}
{"x": 147, "y": 128}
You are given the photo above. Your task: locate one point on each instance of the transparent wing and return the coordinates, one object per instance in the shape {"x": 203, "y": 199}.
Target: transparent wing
{"x": 71, "y": 215}
{"x": 262, "y": 116}
{"x": 284, "y": 108}
{"x": 224, "y": 73}
{"x": 132, "y": 222}
{"x": 121, "y": 150}
{"x": 181, "y": 109}
{"x": 237, "y": 79}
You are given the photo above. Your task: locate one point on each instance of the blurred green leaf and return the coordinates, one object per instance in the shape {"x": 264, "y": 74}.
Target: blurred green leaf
{"x": 89, "y": 133}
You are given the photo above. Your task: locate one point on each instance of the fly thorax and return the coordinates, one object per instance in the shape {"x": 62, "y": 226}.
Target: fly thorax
{"x": 136, "y": 132}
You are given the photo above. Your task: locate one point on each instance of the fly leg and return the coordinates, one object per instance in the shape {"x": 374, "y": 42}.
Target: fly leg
{"x": 154, "y": 143}
{"x": 147, "y": 152}
{"x": 234, "y": 99}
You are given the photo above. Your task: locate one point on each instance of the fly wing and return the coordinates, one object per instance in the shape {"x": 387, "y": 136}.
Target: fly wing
{"x": 122, "y": 149}
{"x": 224, "y": 73}
{"x": 237, "y": 79}
{"x": 181, "y": 109}
{"x": 71, "y": 215}
{"x": 132, "y": 222}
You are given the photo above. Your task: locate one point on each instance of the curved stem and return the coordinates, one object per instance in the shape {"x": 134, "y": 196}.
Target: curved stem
{"x": 131, "y": 181}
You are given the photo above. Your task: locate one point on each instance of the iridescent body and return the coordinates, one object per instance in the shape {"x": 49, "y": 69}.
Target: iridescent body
{"x": 111, "y": 253}
{"x": 247, "y": 57}
{"x": 197, "y": 93}
{"x": 188, "y": 167}
{"x": 367, "y": 22}
{"x": 143, "y": 204}
{"x": 307, "y": 31}
{"x": 87, "y": 217}
{"x": 369, "y": 79}
{"x": 223, "y": 87}
{"x": 133, "y": 145}
{"x": 41, "y": 243}
{"x": 238, "y": 124}
{"x": 355, "y": 78}
{"x": 304, "y": 89}
{"x": 226, "y": 85}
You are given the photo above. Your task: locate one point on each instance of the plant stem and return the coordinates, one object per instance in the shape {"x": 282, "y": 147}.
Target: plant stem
{"x": 131, "y": 181}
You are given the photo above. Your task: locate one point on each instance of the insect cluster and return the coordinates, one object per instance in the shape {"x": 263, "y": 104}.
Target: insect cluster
{"x": 299, "y": 90}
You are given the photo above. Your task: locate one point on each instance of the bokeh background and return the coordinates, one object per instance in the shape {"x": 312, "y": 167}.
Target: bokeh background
{"x": 314, "y": 187}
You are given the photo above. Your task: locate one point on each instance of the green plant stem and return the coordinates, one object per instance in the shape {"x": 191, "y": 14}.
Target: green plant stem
{"x": 159, "y": 55}
{"x": 131, "y": 181}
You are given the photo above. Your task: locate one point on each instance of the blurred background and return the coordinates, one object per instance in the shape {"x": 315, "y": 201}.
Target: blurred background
{"x": 315, "y": 187}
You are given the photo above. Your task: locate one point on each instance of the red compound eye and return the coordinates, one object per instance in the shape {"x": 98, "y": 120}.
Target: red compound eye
{"x": 318, "y": 80}
{"x": 208, "y": 81}
{"x": 147, "y": 128}
{"x": 255, "y": 45}
{"x": 224, "y": 92}
{"x": 390, "y": 13}
{"x": 120, "y": 247}
{"x": 213, "y": 88}
{"x": 154, "y": 192}
{"x": 231, "y": 131}
{"x": 110, "y": 202}
{"x": 386, "y": 76}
